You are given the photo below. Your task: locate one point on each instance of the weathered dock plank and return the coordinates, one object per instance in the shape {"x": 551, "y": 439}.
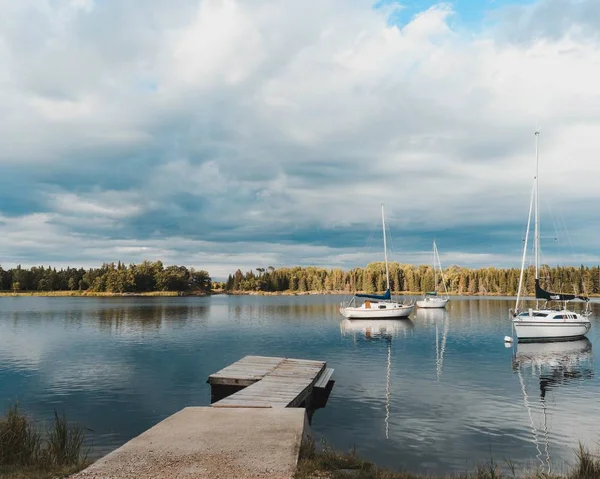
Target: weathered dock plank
{"x": 324, "y": 378}
{"x": 288, "y": 384}
{"x": 245, "y": 372}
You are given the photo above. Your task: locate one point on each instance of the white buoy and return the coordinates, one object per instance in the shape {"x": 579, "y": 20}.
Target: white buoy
{"x": 508, "y": 339}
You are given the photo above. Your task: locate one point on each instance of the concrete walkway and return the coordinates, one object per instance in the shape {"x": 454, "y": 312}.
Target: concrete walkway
{"x": 215, "y": 443}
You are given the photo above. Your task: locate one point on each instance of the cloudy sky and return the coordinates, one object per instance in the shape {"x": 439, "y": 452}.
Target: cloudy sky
{"x": 224, "y": 134}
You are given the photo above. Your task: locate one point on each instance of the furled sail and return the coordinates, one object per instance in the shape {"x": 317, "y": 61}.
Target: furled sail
{"x": 543, "y": 294}
{"x": 386, "y": 295}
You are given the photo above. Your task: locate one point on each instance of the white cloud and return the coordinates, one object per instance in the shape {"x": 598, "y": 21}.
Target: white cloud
{"x": 110, "y": 204}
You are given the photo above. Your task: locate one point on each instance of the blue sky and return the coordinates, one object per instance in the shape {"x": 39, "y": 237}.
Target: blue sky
{"x": 222, "y": 134}
{"x": 468, "y": 13}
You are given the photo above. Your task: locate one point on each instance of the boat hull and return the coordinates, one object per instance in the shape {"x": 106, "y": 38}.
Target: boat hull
{"x": 550, "y": 330}
{"x": 432, "y": 303}
{"x": 400, "y": 311}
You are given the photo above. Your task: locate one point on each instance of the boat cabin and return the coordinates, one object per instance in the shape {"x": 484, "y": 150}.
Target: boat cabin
{"x": 549, "y": 314}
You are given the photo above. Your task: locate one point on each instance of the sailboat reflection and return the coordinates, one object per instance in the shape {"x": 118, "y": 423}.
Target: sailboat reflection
{"x": 554, "y": 364}
{"x": 441, "y": 319}
{"x": 385, "y": 330}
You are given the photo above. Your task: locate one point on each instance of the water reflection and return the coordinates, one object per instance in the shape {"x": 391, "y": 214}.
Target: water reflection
{"x": 376, "y": 329}
{"x": 440, "y": 319}
{"x": 119, "y": 366}
{"x": 379, "y": 330}
{"x": 140, "y": 318}
{"x": 431, "y": 315}
{"x": 553, "y": 364}
{"x": 114, "y": 315}
{"x": 271, "y": 309}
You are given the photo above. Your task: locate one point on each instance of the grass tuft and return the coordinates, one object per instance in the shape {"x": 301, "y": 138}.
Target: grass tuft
{"x": 26, "y": 452}
{"x": 588, "y": 465}
{"x": 19, "y": 441}
{"x": 65, "y": 443}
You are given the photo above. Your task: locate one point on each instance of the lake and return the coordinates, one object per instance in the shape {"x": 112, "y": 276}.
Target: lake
{"x": 437, "y": 393}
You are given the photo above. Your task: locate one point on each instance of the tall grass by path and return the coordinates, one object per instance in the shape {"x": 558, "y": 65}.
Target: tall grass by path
{"x": 27, "y": 452}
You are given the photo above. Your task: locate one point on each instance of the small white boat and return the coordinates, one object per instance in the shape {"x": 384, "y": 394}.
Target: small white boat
{"x": 372, "y": 306}
{"x": 546, "y": 323}
{"x": 376, "y": 310}
{"x": 550, "y": 325}
{"x": 431, "y": 299}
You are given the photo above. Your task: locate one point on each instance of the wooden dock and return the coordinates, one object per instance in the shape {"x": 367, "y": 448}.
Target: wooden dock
{"x": 268, "y": 382}
{"x": 260, "y": 414}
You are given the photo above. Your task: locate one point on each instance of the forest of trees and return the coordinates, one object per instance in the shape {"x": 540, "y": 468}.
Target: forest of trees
{"x": 153, "y": 276}
{"x": 111, "y": 277}
{"x": 410, "y": 278}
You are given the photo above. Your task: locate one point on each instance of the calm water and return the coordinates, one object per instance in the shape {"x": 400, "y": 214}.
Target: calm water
{"x": 438, "y": 393}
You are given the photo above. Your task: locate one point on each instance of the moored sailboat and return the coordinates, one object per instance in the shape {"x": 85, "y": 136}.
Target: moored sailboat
{"x": 432, "y": 299}
{"x": 377, "y": 306}
{"x": 546, "y": 323}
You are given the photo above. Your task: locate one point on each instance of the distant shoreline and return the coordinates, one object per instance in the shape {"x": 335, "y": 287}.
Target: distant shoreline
{"x": 101, "y": 294}
{"x": 152, "y": 294}
{"x": 344, "y": 293}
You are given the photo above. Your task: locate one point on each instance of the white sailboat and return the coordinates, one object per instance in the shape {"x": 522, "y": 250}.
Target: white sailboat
{"x": 546, "y": 323}
{"x": 377, "y": 306}
{"x": 432, "y": 299}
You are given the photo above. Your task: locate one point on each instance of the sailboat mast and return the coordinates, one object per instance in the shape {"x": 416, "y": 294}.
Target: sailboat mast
{"x": 434, "y": 270}
{"x": 387, "y": 271}
{"x": 537, "y": 208}
{"x": 525, "y": 248}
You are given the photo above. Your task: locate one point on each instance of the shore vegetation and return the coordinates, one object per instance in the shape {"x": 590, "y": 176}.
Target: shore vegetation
{"x": 26, "y": 451}
{"x": 110, "y": 278}
{"x": 326, "y": 463}
{"x": 405, "y": 278}
{"x": 155, "y": 279}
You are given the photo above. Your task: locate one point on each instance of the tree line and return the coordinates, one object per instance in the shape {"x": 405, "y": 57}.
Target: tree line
{"x": 110, "y": 277}
{"x": 414, "y": 279}
{"x": 154, "y": 276}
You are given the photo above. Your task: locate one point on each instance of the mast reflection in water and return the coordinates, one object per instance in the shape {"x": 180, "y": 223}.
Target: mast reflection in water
{"x": 441, "y": 319}
{"x": 554, "y": 364}
{"x": 366, "y": 330}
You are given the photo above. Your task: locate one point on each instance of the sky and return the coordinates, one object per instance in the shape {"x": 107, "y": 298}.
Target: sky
{"x": 225, "y": 134}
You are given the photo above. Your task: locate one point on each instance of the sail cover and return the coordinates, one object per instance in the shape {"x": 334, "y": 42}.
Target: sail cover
{"x": 543, "y": 294}
{"x": 386, "y": 295}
